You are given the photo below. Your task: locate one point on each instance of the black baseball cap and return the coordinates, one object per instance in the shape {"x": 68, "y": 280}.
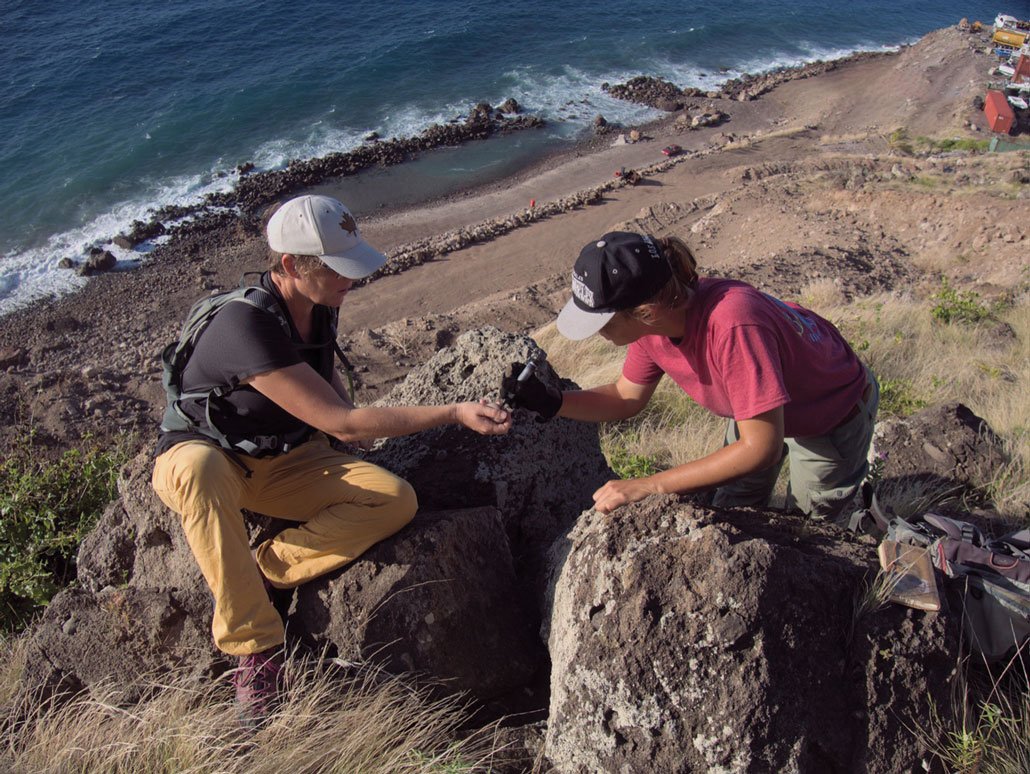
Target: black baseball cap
{"x": 619, "y": 271}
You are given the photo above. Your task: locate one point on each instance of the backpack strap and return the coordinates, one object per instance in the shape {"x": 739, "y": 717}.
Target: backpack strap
{"x": 955, "y": 529}
{"x": 177, "y": 354}
{"x": 872, "y": 519}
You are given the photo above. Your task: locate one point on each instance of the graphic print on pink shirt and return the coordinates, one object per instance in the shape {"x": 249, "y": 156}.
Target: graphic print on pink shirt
{"x": 744, "y": 353}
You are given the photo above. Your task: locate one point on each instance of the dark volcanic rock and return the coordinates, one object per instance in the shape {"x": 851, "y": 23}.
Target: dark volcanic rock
{"x": 119, "y": 638}
{"x": 13, "y": 356}
{"x": 750, "y": 87}
{"x": 684, "y": 639}
{"x": 646, "y": 90}
{"x": 540, "y": 476}
{"x": 138, "y": 541}
{"x": 509, "y": 105}
{"x": 439, "y": 599}
{"x": 98, "y": 262}
{"x": 948, "y": 447}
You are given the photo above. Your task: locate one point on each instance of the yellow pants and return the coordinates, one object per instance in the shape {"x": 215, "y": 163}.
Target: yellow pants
{"x": 345, "y": 505}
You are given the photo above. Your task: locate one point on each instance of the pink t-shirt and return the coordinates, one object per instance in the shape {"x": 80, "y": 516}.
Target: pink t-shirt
{"x": 745, "y": 352}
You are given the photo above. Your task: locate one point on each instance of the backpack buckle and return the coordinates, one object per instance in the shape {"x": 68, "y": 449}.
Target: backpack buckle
{"x": 258, "y": 444}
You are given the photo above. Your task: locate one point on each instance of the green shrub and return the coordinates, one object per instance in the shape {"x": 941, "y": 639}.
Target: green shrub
{"x": 958, "y": 306}
{"x": 629, "y": 465}
{"x": 898, "y": 398}
{"x": 46, "y": 507}
{"x": 969, "y": 144}
{"x": 898, "y": 142}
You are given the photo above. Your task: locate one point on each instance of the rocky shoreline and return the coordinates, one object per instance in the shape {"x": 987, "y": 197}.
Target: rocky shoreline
{"x": 255, "y": 191}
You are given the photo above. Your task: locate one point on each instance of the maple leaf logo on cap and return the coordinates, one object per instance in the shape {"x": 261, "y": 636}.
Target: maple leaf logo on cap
{"x": 347, "y": 223}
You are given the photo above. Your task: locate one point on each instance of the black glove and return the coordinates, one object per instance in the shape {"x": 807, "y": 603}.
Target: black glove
{"x": 531, "y": 394}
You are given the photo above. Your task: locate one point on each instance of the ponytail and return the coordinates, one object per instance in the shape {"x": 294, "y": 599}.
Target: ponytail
{"x": 679, "y": 290}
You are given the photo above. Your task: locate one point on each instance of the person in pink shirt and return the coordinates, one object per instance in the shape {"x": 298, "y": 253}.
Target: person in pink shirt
{"x": 785, "y": 378}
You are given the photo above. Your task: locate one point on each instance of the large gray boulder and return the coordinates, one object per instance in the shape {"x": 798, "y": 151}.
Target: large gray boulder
{"x": 539, "y": 476}
{"x": 138, "y": 542}
{"x": 685, "y": 639}
{"x": 440, "y": 600}
{"x": 119, "y": 638}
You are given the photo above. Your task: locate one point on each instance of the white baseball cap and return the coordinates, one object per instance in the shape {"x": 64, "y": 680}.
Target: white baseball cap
{"x": 322, "y": 226}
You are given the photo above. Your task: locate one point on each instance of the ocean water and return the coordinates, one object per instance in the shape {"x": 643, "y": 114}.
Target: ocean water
{"x": 110, "y": 108}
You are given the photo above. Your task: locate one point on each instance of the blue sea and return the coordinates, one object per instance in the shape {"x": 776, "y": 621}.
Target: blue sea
{"x": 113, "y": 107}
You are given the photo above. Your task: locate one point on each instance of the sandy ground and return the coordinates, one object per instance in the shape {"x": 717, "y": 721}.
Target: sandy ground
{"x": 799, "y": 187}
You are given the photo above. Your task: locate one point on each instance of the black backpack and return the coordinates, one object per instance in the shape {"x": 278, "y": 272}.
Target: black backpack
{"x": 176, "y": 355}
{"x": 987, "y": 579}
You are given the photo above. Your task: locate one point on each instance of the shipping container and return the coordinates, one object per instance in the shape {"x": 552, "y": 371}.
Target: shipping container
{"x": 1022, "y": 74}
{"x": 999, "y": 113}
{"x": 1009, "y": 38}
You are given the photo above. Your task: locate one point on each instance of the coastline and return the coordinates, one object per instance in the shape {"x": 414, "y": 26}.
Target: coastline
{"x": 98, "y": 349}
{"x": 414, "y": 164}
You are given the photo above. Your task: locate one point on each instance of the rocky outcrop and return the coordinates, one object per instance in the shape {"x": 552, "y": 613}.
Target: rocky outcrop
{"x": 653, "y": 92}
{"x": 442, "y": 601}
{"x": 700, "y": 118}
{"x": 663, "y": 95}
{"x": 676, "y": 637}
{"x": 948, "y": 448}
{"x": 118, "y": 641}
{"x": 540, "y": 476}
{"x": 684, "y": 639}
{"x": 468, "y": 563}
{"x": 138, "y": 542}
{"x": 97, "y": 261}
{"x": 750, "y": 86}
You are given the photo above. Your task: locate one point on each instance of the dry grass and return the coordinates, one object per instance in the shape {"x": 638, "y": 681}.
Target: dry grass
{"x": 845, "y": 139}
{"x": 331, "y": 721}
{"x": 588, "y": 363}
{"x": 929, "y": 363}
{"x": 12, "y": 652}
{"x": 822, "y": 294}
{"x": 990, "y": 722}
{"x": 870, "y": 596}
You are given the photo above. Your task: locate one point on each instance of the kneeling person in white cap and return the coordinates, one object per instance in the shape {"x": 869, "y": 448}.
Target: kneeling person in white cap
{"x": 283, "y": 401}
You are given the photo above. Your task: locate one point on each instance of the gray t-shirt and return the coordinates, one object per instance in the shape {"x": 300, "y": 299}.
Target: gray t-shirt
{"x": 242, "y": 341}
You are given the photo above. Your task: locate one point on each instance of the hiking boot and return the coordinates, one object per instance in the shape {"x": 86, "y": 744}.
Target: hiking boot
{"x": 256, "y": 681}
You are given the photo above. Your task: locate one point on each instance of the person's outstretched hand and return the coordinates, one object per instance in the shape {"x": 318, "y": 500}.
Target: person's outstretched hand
{"x": 484, "y": 417}
{"x": 621, "y": 492}
{"x": 531, "y": 394}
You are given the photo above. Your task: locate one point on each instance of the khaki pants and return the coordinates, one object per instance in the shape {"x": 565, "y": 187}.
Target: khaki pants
{"x": 345, "y": 505}
{"x": 825, "y": 470}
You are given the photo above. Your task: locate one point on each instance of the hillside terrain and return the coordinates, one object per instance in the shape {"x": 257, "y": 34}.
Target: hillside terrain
{"x": 802, "y": 185}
